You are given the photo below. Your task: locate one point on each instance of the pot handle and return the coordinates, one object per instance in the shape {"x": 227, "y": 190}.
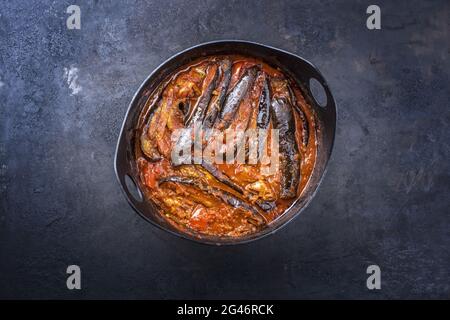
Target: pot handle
{"x": 326, "y": 109}
{"x": 318, "y": 89}
{"x": 126, "y": 179}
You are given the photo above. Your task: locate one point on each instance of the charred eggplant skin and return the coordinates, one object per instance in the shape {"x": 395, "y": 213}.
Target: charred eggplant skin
{"x": 301, "y": 114}
{"x": 283, "y": 120}
{"x": 263, "y": 118}
{"x": 218, "y": 193}
{"x": 148, "y": 148}
{"x": 214, "y": 108}
{"x": 199, "y": 109}
{"x": 220, "y": 176}
{"x": 234, "y": 98}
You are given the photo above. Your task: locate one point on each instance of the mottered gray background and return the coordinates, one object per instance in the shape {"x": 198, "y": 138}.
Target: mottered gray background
{"x": 384, "y": 200}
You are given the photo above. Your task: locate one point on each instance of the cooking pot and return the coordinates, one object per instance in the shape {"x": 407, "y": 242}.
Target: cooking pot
{"x": 314, "y": 88}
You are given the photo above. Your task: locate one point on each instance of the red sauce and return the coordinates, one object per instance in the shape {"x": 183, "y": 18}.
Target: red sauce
{"x": 201, "y": 203}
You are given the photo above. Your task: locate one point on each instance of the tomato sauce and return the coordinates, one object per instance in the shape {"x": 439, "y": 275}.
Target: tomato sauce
{"x": 225, "y": 93}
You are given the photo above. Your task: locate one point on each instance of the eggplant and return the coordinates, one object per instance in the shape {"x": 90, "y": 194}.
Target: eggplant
{"x": 219, "y": 175}
{"x": 148, "y": 147}
{"x": 266, "y": 205}
{"x": 223, "y": 178}
{"x": 304, "y": 120}
{"x": 197, "y": 113}
{"x": 184, "y": 106}
{"x": 218, "y": 193}
{"x": 283, "y": 120}
{"x": 214, "y": 108}
{"x": 199, "y": 109}
{"x": 263, "y": 117}
{"x": 234, "y": 98}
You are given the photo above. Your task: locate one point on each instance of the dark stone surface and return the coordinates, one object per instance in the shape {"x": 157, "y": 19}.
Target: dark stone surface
{"x": 385, "y": 199}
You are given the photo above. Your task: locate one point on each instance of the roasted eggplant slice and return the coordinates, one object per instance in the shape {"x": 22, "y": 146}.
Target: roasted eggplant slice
{"x": 218, "y": 193}
{"x": 216, "y": 106}
{"x": 234, "y": 98}
{"x": 302, "y": 116}
{"x": 283, "y": 120}
{"x": 199, "y": 109}
{"x": 263, "y": 117}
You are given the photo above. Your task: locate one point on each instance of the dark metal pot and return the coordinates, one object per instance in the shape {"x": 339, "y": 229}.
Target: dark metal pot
{"x": 299, "y": 69}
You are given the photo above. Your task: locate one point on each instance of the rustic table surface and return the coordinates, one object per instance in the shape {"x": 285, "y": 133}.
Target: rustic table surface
{"x": 384, "y": 200}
